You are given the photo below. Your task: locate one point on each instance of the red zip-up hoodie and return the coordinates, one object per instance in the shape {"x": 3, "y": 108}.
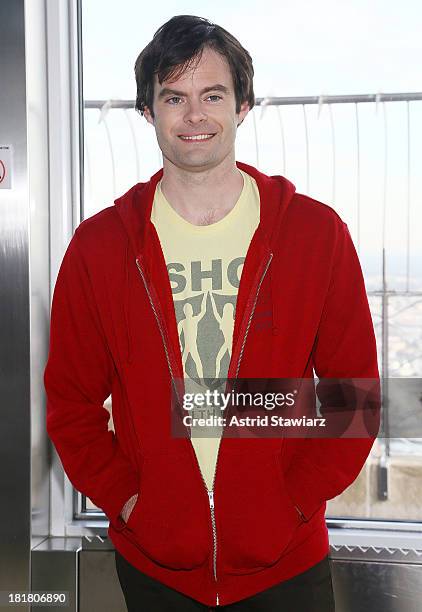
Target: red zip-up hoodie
{"x": 114, "y": 331}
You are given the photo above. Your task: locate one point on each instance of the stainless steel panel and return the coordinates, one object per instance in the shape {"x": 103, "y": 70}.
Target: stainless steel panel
{"x": 55, "y": 568}
{"x": 378, "y": 573}
{"x": 99, "y": 587}
{"x": 378, "y": 587}
{"x": 15, "y": 440}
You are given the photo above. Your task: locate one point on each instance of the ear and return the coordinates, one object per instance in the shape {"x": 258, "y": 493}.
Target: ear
{"x": 148, "y": 116}
{"x": 244, "y": 110}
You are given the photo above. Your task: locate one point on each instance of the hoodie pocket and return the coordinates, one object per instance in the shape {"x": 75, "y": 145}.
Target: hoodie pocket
{"x": 257, "y": 519}
{"x": 169, "y": 522}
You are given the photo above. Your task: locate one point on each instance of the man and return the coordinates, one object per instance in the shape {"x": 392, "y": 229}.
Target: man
{"x": 210, "y": 270}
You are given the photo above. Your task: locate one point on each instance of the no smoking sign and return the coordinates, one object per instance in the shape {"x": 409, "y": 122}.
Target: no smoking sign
{"x": 6, "y": 166}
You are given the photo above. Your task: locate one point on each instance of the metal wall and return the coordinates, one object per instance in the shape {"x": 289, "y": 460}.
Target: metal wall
{"x": 24, "y": 289}
{"x": 15, "y": 439}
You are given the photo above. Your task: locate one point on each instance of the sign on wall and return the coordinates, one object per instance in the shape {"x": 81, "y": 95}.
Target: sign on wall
{"x": 6, "y": 166}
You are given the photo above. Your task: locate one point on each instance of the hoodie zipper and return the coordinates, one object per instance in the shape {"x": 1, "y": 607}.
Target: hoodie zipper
{"x": 214, "y": 537}
{"x": 210, "y": 493}
{"x": 138, "y": 265}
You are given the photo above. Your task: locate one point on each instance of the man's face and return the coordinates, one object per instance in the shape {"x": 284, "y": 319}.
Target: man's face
{"x": 183, "y": 108}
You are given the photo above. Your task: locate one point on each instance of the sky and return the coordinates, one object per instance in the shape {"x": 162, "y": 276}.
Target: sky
{"x": 298, "y": 47}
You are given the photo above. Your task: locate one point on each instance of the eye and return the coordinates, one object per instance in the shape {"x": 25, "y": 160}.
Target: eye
{"x": 173, "y": 98}
{"x": 215, "y": 96}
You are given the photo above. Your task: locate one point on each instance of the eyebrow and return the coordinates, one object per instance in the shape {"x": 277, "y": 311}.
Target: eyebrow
{"x": 167, "y": 91}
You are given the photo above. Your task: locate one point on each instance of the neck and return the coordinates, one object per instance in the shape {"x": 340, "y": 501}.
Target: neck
{"x": 202, "y": 197}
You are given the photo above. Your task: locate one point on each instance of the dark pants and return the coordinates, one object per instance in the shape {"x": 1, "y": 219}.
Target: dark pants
{"x": 310, "y": 591}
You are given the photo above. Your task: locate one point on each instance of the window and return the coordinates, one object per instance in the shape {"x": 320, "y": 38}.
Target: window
{"x": 360, "y": 157}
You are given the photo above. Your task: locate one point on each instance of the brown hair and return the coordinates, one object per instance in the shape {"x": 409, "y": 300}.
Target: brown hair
{"x": 175, "y": 47}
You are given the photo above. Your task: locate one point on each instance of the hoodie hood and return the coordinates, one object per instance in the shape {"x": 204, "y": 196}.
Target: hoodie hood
{"x": 135, "y": 206}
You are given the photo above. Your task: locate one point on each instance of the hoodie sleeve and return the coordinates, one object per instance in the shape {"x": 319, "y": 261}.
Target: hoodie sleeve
{"x": 344, "y": 349}
{"x": 78, "y": 379}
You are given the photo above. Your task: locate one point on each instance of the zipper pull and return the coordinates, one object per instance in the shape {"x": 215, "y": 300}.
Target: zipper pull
{"x": 211, "y": 498}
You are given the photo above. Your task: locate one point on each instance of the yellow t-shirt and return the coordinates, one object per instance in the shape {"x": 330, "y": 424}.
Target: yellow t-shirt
{"x": 205, "y": 264}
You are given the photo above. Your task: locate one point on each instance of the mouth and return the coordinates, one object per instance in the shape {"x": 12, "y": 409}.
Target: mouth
{"x": 197, "y": 138}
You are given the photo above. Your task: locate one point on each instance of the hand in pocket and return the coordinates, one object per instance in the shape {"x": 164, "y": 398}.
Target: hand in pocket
{"x": 128, "y": 507}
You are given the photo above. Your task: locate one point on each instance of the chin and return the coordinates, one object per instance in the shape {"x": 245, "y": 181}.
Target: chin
{"x": 197, "y": 165}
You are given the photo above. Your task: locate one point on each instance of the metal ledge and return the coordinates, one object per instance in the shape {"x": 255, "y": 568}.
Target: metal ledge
{"x": 375, "y": 545}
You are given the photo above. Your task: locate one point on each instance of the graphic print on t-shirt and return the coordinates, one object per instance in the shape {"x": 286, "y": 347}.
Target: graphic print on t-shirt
{"x": 205, "y": 318}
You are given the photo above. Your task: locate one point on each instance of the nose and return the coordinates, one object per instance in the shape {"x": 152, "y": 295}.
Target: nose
{"x": 194, "y": 113}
